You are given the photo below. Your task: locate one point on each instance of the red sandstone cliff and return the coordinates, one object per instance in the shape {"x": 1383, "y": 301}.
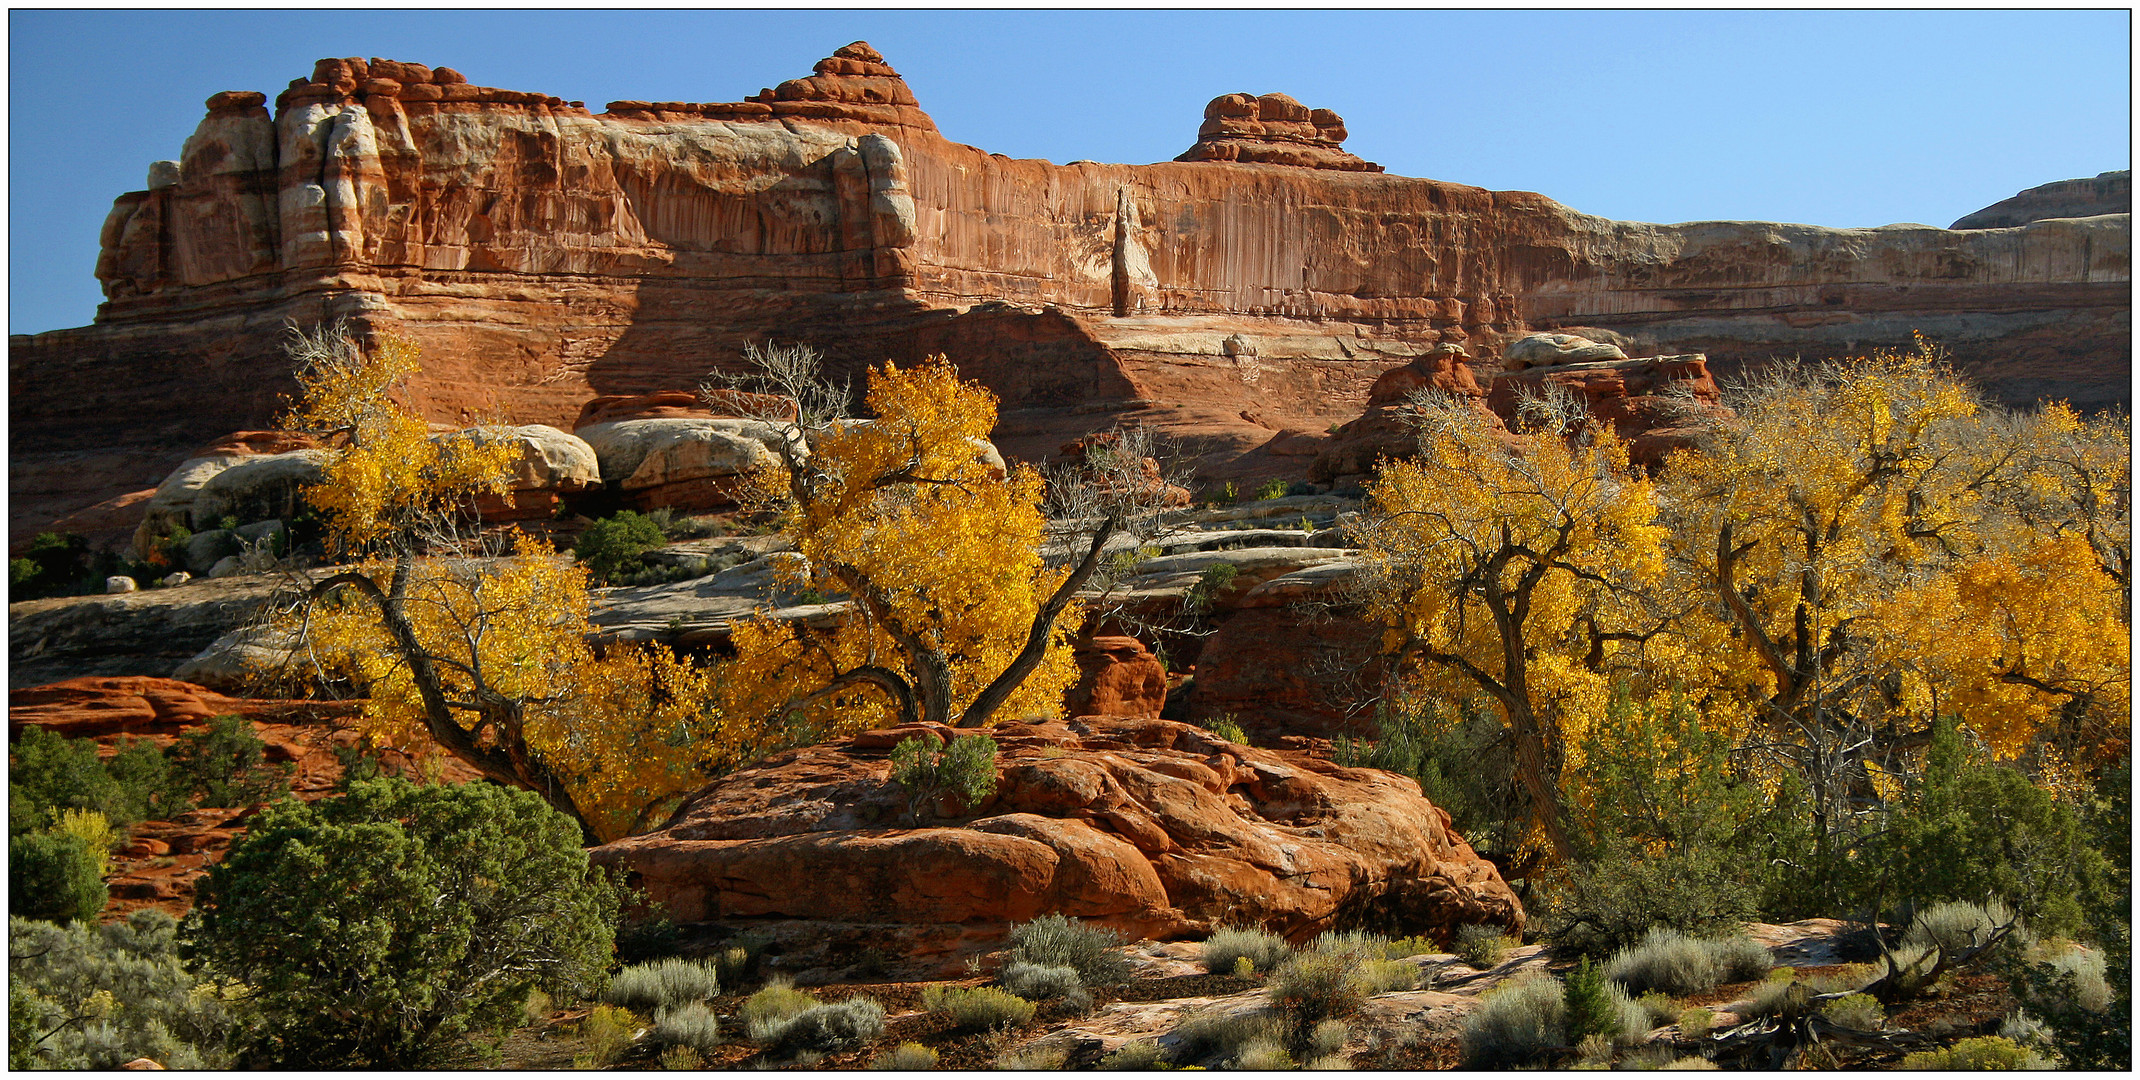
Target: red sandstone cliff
{"x": 542, "y": 255}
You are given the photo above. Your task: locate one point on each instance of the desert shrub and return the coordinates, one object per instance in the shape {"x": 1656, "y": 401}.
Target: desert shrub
{"x": 1483, "y": 947}
{"x": 1632, "y": 1017}
{"x": 385, "y": 926}
{"x": 125, "y": 979}
{"x": 48, "y": 772}
{"x": 1847, "y": 978}
{"x": 682, "y": 1059}
{"x": 615, "y": 545}
{"x": 2081, "y": 969}
{"x": 1588, "y": 1008}
{"x": 1678, "y": 963}
{"x": 1057, "y": 941}
{"x": 1415, "y": 946}
{"x": 95, "y": 833}
{"x": 739, "y": 956}
{"x": 1609, "y": 905}
{"x": 1327, "y": 1038}
{"x": 662, "y": 984}
{"x": 966, "y": 767}
{"x": 1658, "y": 1009}
{"x": 1225, "y": 727}
{"x": 1779, "y": 997}
{"x": 1982, "y": 1052}
{"x": 774, "y": 1004}
{"x": 1316, "y": 985}
{"x": 1860, "y": 1011}
{"x": 822, "y": 1029}
{"x": 692, "y": 1025}
{"x": 1272, "y": 489}
{"x": 1227, "y": 944}
{"x": 1138, "y": 1055}
{"x": 225, "y": 764}
{"x": 1689, "y": 1064}
{"x": 1262, "y": 1055}
{"x": 1695, "y": 1023}
{"x": 975, "y": 1008}
{"x": 1514, "y": 1022}
{"x": 644, "y": 930}
{"x": 1386, "y": 977}
{"x": 1041, "y": 982}
{"x": 1972, "y": 827}
{"x": 906, "y": 1057}
{"x": 1212, "y": 581}
{"x": 607, "y": 1034}
{"x": 1955, "y": 927}
{"x": 1358, "y": 943}
{"x": 54, "y": 876}
{"x": 1220, "y": 1036}
{"x": 1033, "y": 1059}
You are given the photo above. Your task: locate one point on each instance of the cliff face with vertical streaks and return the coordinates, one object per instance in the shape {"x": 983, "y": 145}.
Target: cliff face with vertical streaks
{"x": 1243, "y": 299}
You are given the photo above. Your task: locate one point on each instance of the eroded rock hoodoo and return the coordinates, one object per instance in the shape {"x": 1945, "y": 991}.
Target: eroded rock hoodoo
{"x": 1273, "y": 130}
{"x": 1154, "y": 828}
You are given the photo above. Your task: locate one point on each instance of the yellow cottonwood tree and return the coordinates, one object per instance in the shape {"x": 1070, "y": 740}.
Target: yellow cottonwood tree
{"x": 1515, "y": 568}
{"x": 956, "y": 618}
{"x": 457, "y": 642}
{"x": 1874, "y": 547}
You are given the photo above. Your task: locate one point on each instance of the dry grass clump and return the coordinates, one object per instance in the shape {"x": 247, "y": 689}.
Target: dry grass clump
{"x": 1263, "y": 950}
{"x": 906, "y": 1057}
{"x": 772, "y": 1005}
{"x": 822, "y": 1029}
{"x": 1679, "y": 963}
{"x": 1262, "y": 1055}
{"x": 1057, "y": 941}
{"x": 1514, "y": 1022}
{"x": 606, "y": 1034}
{"x": 1483, "y": 947}
{"x": 1220, "y": 1036}
{"x": 1140, "y": 1055}
{"x": 1040, "y": 982}
{"x": 1034, "y": 1059}
{"x": 976, "y": 1008}
{"x": 662, "y": 984}
{"x": 1858, "y": 1011}
{"x": 691, "y": 1024}
{"x": 1969, "y": 1055}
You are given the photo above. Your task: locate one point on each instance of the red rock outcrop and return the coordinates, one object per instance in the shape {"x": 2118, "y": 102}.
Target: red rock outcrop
{"x": 1117, "y": 676}
{"x": 1386, "y": 429}
{"x": 541, "y": 255}
{"x": 2105, "y": 193}
{"x": 1273, "y": 130}
{"x": 1657, "y": 403}
{"x": 1154, "y": 828}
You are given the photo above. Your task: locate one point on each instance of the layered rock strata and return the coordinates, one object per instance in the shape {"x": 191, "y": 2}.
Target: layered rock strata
{"x": 1155, "y": 829}
{"x": 2104, "y": 193}
{"x": 541, "y": 255}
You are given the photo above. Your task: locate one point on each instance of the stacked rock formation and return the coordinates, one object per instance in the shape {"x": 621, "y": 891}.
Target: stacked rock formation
{"x": 2105, "y": 193}
{"x": 1273, "y": 130}
{"x": 541, "y": 255}
{"x": 1153, "y": 828}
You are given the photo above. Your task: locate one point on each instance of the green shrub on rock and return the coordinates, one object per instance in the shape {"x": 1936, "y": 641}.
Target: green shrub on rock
{"x": 1515, "y": 1022}
{"x": 662, "y": 984}
{"x": 1228, "y": 944}
{"x": 122, "y": 986}
{"x": 615, "y": 545}
{"x": 54, "y": 876}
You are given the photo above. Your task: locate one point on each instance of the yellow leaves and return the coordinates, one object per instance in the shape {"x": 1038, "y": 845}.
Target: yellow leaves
{"x": 945, "y": 546}
{"x": 387, "y": 476}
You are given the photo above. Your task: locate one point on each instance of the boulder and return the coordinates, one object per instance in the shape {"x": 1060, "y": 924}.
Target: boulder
{"x": 688, "y": 463}
{"x": 172, "y": 503}
{"x": 1553, "y": 349}
{"x": 1117, "y": 676}
{"x": 1155, "y": 829}
{"x": 118, "y": 584}
{"x": 256, "y": 488}
{"x": 549, "y": 464}
{"x": 242, "y": 661}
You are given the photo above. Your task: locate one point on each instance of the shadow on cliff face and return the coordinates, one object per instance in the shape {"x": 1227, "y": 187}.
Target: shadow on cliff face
{"x": 1054, "y": 380}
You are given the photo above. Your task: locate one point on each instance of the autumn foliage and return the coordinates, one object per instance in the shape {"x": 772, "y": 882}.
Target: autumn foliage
{"x": 1863, "y": 548}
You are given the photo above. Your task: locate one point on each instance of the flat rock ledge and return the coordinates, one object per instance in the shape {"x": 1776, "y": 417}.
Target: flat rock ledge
{"x": 1157, "y": 829}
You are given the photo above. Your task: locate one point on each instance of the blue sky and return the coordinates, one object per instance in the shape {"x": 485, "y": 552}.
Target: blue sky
{"x": 1823, "y": 117}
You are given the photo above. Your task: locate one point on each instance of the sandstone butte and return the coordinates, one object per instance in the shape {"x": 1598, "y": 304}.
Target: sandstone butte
{"x": 1244, "y": 297}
